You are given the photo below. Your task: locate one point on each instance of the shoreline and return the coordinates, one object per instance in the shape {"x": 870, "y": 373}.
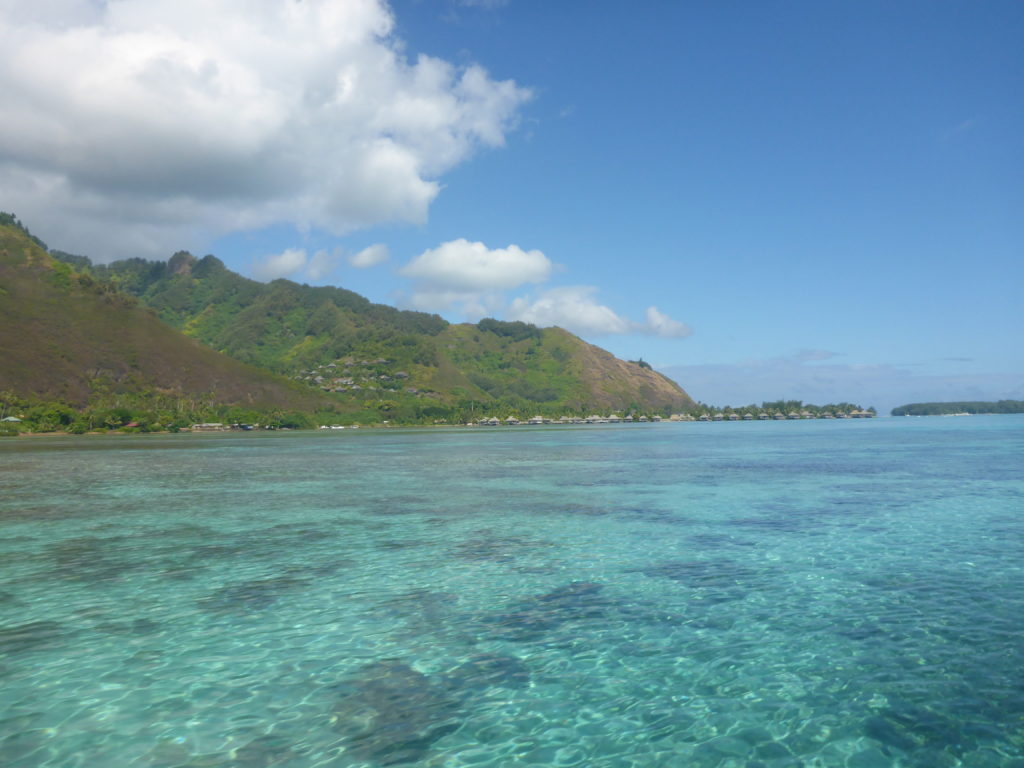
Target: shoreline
{"x": 480, "y": 427}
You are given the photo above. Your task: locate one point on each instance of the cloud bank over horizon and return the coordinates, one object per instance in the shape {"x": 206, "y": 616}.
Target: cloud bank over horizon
{"x": 170, "y": 120}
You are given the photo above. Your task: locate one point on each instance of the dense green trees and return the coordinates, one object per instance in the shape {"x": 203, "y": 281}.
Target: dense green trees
{"x": 515, "y": 330}
{"x": 10, "y": 220}
{"x": 141, "y": 412}
{"x": 361, "y": 361}
{"x": 940, "y": 409}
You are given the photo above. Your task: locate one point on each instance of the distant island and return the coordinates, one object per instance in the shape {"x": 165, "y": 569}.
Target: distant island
{"x": 948, "y": 409}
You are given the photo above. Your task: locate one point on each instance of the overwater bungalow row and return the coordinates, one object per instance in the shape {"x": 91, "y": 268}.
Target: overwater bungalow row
{"x": 512, "y": 421}
{"x": 773, "y": 416}
{"x": 538, "y": 420}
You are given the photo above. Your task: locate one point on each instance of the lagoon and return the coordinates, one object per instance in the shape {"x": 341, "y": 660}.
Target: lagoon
{"x": 709, "y": 595}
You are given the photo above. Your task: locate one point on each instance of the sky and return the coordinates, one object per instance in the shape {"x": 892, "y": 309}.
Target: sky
{"x": 764, "y": 200}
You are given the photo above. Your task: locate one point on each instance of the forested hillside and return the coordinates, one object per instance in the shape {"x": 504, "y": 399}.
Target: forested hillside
{"x": 417, "y": 364}
{"x": 68, "y": 337}
{"x": 189, "y": 334}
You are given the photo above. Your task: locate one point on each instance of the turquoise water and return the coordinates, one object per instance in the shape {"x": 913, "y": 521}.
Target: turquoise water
{"x": 706, "y": 595}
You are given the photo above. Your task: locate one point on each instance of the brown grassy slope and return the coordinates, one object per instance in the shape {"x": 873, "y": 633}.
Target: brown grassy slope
{"x": 610, "y": 381}
{"x": 64, "y": 337}
{"x": 553, "y": 367}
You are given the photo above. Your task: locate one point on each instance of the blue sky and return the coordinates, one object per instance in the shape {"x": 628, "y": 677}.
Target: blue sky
{"x": 807, "y": 200}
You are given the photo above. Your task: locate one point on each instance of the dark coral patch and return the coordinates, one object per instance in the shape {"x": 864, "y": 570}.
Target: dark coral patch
{"x": 533, "y": 618}
{"x": 33, "y": 636}
{"x": 391, "y": 714}
{"x": 488, "y": 670}
{"x": 246, "y": 596}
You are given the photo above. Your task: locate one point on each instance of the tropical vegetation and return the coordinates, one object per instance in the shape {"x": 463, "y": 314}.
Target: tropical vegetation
{"x": 945, "y": 409}
{"x": 139, "y": 344}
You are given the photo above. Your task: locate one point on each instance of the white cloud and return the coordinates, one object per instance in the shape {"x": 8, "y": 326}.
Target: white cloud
{"x": 284, "y": 264}
{"x": 369, "y": 257}
{"x": 472, "y": 278}
{"x": 575, "y": 309}
{"x": 296, "y": 263}
{"x": 467, "y": 267}
{"x": 571, "y": 307}
{"x": 472, "y": 305}
{"x": 322, "y": 263}
{"x": 133, "y": 127}
{"x": 660, "y": 324}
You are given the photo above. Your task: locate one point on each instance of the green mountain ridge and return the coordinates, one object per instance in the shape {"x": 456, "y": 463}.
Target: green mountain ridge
{"x": 367, "y": 361}
{"x": 67, "y": 337}
{"x": 296, "y": 330}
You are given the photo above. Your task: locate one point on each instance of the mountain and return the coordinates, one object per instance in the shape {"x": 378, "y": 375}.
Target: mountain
{"x": 191, "y": 328}
{"x": 67, "y": 336}
{"x": 418, "y": 364}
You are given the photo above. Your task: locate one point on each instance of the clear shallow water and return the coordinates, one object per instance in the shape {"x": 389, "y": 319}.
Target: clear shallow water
{"x": 706, "y": 595}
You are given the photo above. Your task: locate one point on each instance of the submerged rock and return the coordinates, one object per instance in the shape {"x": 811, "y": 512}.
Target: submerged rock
{"x": 93, "y": 558}
{"x": 138, "y": 627}
{"x": 392, "y": 714}
{"x": 488, "y": 670}
{"x": 717, "y": 580}
{"x": 909, "y": 727}
{"x": 533, "y": 618}
{"x": 264, "y": 752}
{"x": 253, "y": 595}
{"x": 486, "y": 546}
{"x": 35, "y": 635}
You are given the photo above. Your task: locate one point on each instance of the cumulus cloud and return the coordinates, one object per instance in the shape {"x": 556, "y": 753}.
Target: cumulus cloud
{"x": 575, "y": 308}
{"x": 470, "y": 304}
{"x": 571, "y": 307}
{"x": 132, "y": 127}
{"x": 284, "y": 264}
{"x": 463, "y": 266}
{"x": 322, "y": 263}
{"x": 295, "y": 262}
{"x": 474, "y": 279}
{"x": 471, "y": 277}
{"x": 369, "y": 257}
{"x": 660, "y": 324}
